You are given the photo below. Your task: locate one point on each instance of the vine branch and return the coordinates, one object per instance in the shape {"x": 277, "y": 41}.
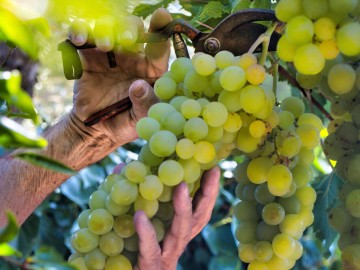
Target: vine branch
{"x": 293, "y": 82}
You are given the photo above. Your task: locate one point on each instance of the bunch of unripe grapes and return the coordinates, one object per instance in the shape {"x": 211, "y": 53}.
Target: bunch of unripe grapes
{"x": 208, "y": 107}
{"x": 276, "y": 198}
{"x": 322, "y": 39}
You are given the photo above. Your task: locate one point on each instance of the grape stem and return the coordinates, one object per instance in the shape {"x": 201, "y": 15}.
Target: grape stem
{"x": 291, "y": 79}
{"x": 264, "y": 39}
{"x": 275, "y": 72}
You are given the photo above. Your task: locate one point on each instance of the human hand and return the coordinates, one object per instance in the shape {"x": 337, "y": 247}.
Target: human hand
{"x": 190, "y": 216}
{"x": 101, "y": 86}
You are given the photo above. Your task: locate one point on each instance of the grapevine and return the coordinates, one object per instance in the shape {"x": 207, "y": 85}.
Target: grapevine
{"x": 331, "y": 29}
{"x": 209, "y": 107}
{"x": 212, "y": 107}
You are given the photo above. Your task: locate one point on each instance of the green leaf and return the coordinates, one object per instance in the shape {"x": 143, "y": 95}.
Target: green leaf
{"x": 211, "y": 10}
{"x": 92, "y": 175}
{"x": 41, "y": 25}
{"x": 6, "y": 250}
{"x": 45, "y": 162}
{"x": 265, "y": 4}
{"x": 219, "y": 240}
{"x": 75, "y": 191}
{"x": 10, "y": 231}
{"x": 241, "y": 4}
{"x": 15, "y": 31}
{"x": 225, "y": 263}
{"x": 327, "y": 192}
{"x": 48, "y": 258}
{"x": 145, "y": 10}
{"x": 28, "y": 235}
{"x": 13, "y": 134}
{"x": 11, "y": 91}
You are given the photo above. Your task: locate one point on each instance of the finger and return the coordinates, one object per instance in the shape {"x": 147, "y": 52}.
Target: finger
{"x": 158, "y": 52}
{"x": 104, "y": 33}
{"x": 142, "y": 97}
{"x": 117, "y": 169}
{"x": 127, "y": 32}
{"x": 179, "y": 233}
{"x": 79, "y": 32}
{"x": 149, "y": 249}
{"x": 205, "y": 199}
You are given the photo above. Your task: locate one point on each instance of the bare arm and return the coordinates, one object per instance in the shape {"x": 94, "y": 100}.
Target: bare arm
{"x": 24, "y": 186}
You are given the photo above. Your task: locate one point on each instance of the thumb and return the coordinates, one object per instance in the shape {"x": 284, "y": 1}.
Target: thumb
{"x": 142, "y": 97}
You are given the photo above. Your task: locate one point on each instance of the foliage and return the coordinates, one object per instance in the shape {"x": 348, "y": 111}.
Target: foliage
{"x": 42, "y": 241}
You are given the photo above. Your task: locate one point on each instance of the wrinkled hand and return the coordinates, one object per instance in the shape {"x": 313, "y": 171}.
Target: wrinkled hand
{"x": 189, "y": 219}
{"x": 101, "y": 86}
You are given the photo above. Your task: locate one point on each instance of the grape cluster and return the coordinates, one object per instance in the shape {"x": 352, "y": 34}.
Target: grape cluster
{"x": 276, "y": 198}
{"x": 208, "y": 107}
{"x": 322, "y": 39}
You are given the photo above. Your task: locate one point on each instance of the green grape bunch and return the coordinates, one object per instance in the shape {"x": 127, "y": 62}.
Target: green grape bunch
{"x": 322, "y": 40}
{"x": 210, "y": 107}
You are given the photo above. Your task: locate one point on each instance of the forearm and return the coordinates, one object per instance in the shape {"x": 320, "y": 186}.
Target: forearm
{"x": 24, "y": 186}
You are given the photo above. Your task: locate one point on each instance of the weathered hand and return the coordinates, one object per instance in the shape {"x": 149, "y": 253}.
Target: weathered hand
{"x": 189, "y": 219}
{"x": 101, "y": 86}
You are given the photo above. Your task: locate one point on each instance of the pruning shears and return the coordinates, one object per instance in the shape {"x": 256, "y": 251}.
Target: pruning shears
{"x": 236, "y": 33}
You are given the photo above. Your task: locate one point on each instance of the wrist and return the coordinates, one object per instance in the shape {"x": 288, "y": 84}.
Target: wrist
{"x": 89, "y": 143}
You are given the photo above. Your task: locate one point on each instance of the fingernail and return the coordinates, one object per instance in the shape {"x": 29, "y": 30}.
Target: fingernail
{"x": 127, "y": 35}
{"x": 79, "y": 39}
{"x": 184, "y": 188}
{"x": 139, "y": 88}
{"x": 104, "y": 43}
{"x": 140, "y": 216}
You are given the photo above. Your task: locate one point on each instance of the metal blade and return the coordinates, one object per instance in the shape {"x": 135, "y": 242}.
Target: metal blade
{"x": 238, "y": 32}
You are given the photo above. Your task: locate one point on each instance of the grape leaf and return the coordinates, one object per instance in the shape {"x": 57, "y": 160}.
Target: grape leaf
{"x": 225, "y": 263}
{"x": 211, "y": 10}
{"x": 241, "y": 4}
{"x": 219, "y": 240}
{"x": 266, "y": 4}
{"x": 144, "y": 10}
{"x": 327, "y": 191}
{"x": 48, "y": 258}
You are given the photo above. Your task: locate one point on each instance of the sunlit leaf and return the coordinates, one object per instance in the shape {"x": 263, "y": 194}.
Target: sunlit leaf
{"x": 45, "y": 162}
{"x": 211, "y": 10}
{"x": 13, "y": 134}
{"x": 41, "y": 25}
{"x": 11, "y": 229}
{"x": 241, "y": 4}
{"x": 11, "y": 91}
{"x": 144, "y": 10}
{"x": 15, "y": 31}
{"x": 6, "y": 250}
{"x": 265, "y": 4}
